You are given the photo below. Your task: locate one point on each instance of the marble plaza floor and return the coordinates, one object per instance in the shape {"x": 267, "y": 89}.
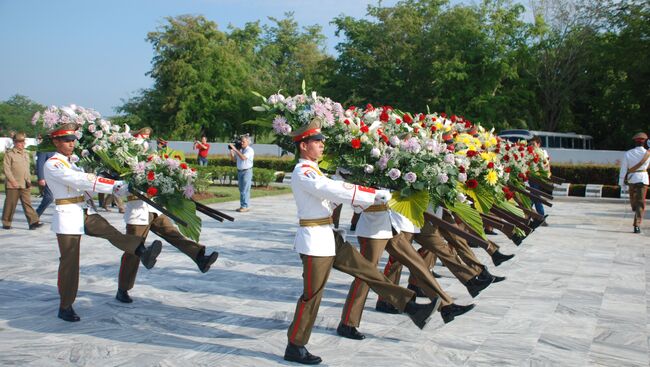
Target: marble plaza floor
{"x": 577, "y": 294}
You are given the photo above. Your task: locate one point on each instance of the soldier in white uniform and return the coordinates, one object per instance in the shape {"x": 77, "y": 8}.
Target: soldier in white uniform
{"x": 69, "y": 184}
{"x": 376, "y": 232}
{"x": 634, "y": 173}
{"x": 321, "y": 248}
{"x": 140, "y": 218}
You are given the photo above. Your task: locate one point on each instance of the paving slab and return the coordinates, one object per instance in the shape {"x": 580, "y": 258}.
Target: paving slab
{"x": 576, "y": 294}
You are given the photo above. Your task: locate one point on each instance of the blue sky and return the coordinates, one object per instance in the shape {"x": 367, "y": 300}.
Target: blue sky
{"x": 94, "y": 53}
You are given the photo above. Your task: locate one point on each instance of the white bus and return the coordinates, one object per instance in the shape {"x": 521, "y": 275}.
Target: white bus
{"x": 551, "y": 139}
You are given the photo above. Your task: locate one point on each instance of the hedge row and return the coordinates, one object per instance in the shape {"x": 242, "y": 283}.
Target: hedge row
{"x": 609, "y": 191}
{"x": 275, "y": 164}
{"x": 599, "y": 174}
{"x": 225, "y": 175}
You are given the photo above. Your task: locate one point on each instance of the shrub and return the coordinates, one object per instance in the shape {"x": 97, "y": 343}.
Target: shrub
{"x": 587, "y": 173}
{"x": 262, "y": 176}
{"x": 272, "y": 163}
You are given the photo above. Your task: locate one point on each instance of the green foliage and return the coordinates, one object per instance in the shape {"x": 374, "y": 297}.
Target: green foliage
{"x": 263, "y": 177}
{"x": 587, "y": 173}
{"x": 16, "y": 115}
{"x": 275, "y": 164}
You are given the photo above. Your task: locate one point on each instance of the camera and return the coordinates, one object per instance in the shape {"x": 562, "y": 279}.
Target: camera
{"x": 236, "y": 142}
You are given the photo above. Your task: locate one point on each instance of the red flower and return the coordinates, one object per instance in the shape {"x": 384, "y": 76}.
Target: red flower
{"x": 408, "y": 119}
{"x": 384, "y": 116}
{"x": 433, "y": 128}
{"x": 507, "y": 148}
{"x": 346, "y": 121}
{"x": 151, "y": 176}
{"x": 471, "y": 184}
{"x": 461, "y": 169}
{"x": 369, "y": 107}
{"x": 490, "y": 165}
{"x": 536, "y": 159}
{"x": 521, "y": 149}
{"x": 193, "y": 169}
{"x": 443, "y": 115}
{"x": 356, "y": 143}
{"x": 506, "y": 158}
{"x": 386, "y": 140}
{"x": 150, "y": 158}
{"x": 364, "y": 129}
{"x": 166, "y": 156}
{"x": 509, "y": 195}
{"x": 468, "y": 124}
{"x": 352, "y": 108}
{"x": 530, "y": 149}
{"x": 451, "y": 147}
{"x": 152, "y": 191}
{"x": 398, "y": 121}
{"x": 416, "y": 130}
{"x": 506, "y": 189}
{"x": 422, "y": 116}
{"x": 453, "y": 118}
{"x": 184, "y": 165}
{"x": 471, "y": 153}
{"x": 507, "y": 169}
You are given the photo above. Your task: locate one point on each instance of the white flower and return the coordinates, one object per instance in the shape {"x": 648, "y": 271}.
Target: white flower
{"x": 462, "y": 177}
{"x": 368, "y": 168}
{"x": 461, "y": 197}
{"x": 375, "y": 152}
{"x": 394, "y": 174}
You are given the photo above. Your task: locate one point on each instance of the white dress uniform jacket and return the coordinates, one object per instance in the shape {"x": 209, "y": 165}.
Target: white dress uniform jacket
{"x": 631, "y": 158}
{"x": 313, "y": 193}
{"x": 374, "y": 225}
{"x": 137, "y": 212}
{"x": 402, "y": 224}
{"x": 68, "y": 181}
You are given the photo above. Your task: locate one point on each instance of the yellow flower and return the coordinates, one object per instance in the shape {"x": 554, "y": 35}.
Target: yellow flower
{"x": 492, "y": 177}
{"x": 488, "y": 156}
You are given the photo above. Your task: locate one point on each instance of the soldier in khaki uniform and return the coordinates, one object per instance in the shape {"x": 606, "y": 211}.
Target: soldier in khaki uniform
{"x": 71, "y": 219}
{"x": 140, "y": 218}
{"x": 321, "y": 248}
{"x": 17, "y": 184}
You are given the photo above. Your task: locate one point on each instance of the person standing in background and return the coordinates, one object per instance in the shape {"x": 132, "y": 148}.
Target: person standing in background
{"x": 203, "y": 147}
{"x": 46, "y": 193}
{"x": 18, "y": 183}
{"x": 244, "y": 159}
{"x": 634, "y": 173}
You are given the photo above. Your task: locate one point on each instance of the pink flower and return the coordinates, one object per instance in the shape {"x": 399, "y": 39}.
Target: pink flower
{"x": 410, "y": 177}
{"x": 394, "y": 174}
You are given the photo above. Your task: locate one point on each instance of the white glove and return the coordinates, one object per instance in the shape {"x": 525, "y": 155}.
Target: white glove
{"x": 382, "y": 197}
{"x": 121, "y": 188}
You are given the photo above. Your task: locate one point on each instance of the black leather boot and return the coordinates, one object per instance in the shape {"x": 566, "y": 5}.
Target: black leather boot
{"x": 349, "y": 332}
{"x": 68, "y": 314}
{"x": 204, "y": 262}
{"x": 418, "y": 291}
{"x": 450, "y": 312}
{"x": 476, "y": 285}
{"x": 295, "y": 353}
{"x": 123, "y": 296}
{"x": 498, "y": 258}
{"x": 420, "y": 313}
{"x": 486, "y": 275}
{"x": 517, "y": 239}
{"x": 385, "y": 307}
{"x": 637, "y": 229}
{"x": 149, "y": 254}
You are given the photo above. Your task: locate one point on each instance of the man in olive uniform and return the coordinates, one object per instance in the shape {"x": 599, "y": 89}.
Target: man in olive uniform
{"x": 321, "y": 248}
{"x": 69, "y": 185}
{"x": 140, "y": 218}
{"x": 18, "y": 183}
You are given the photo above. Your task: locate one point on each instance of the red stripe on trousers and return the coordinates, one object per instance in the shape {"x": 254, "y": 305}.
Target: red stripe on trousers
{"x": 302, "y": 302}
{"x": 357, "y": 282}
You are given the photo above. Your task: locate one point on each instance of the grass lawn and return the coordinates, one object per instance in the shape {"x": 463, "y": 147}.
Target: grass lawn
{"x": 231, "y": 193}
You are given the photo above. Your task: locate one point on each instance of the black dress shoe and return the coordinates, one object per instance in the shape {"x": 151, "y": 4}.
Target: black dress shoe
{"x": 418, "y": 291}
{"x": 477, "y": 284}
{"x": 35, "y": 225}
{"x": 6, "y": 227}
{"x": 450, "y": 312}
{"x": 149, "y": 254}
{"x": 491, "y": 232}
{"x": 498, "y": 258}
{"x": 349, "y": 332}
{"x": 294, "y": 353}
{"x": 68, "y": 314}
{"x": 123, "y": 296}
{"x": 637, "y": 229}
{"x": 353, "y": 227}
{"x": 385, "y": 307}
{"x": 204, "y": 262}
{"x": 435, "y": 275}
{"x": 421, "y": 313}
{"x": 517, "y": 239}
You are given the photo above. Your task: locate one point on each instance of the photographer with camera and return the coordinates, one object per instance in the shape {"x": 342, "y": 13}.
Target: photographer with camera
{"x": 203, "y": 147}
{"x": 244, "y": 154}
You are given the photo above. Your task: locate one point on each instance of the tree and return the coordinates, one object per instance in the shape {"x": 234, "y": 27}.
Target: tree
{"x": 16, "y": 115}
